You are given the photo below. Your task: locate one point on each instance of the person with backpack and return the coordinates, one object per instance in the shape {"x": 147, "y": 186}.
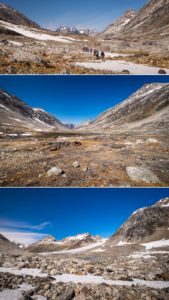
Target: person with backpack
{"x": 103, "y": 56}
{"x": 97, "y": 54}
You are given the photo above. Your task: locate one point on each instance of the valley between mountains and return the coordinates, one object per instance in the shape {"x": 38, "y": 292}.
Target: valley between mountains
{"x": 131, "y": 264}
{"x": 135, "y": 43}
{"x": 127, "y": 145}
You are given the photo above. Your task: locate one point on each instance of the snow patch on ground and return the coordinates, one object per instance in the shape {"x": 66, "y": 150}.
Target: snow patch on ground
{"x": 123, "y": 243}
{"x": 146, "y": 254}
{"x": 156, "y": 244}
{"x": 120, "y": 65}
{"x": 89, "y": 279}
{"x": 8, "y": 294}
{"x": 24, "y": 271}
{"x": 26, "y": 134}
{"x": 12, "y": 134}
{"x": 15, "y": 43}
{"x": 98, "y": 250}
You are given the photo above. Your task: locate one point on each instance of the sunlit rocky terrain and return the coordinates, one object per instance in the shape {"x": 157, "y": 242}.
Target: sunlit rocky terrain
{"x": 131, "y": 264}
{"x": 124, "y": 146}
{"x": 136, "y": 43}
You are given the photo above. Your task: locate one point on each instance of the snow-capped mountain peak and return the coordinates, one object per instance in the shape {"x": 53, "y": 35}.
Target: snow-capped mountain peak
{"x": 163, "y": 202}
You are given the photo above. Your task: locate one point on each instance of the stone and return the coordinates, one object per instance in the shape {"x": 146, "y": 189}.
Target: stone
{"x": 152, "y": 140}
{"x": 76, "y": 164}
{"x": 11, "y": 70}
{"x": 81, "y": 296}
{"x": 76, "y": 143}
{"x": 139, "y": 141}
{"x": 55, "y": 171}
{"x": 161, "y": 71}
{"x": 67, "y": 295}
{"x": 126, "y": 72}
{"x": 141, "y": 174}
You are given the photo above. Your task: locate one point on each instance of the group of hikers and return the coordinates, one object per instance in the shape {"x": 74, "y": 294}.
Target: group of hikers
{"x": 97, "y": 54}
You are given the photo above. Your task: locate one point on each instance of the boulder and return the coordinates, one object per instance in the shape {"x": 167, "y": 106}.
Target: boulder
{"x": 55, "y": 171}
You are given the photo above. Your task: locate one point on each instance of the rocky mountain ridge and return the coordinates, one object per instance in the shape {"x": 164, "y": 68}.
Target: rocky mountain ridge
{"x": 49, "y": 243}
{"x": 117, "y": 26}
{"x": 6, "y": 245}
{"x": 8, "y": 14}
{"x": 151, "y": 19}
{"x": 15, "y": 112}
{"x": 145, "y": 225}
{"x": 147, "y": 30}
{"x": 149, "y": 104}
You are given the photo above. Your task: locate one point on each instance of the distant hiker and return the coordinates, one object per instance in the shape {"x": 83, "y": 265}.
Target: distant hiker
{"x": 103, "y": 56}
{"x": 97, "y": 55}
{"x": 85, "y": 49}
{"x": 91, "y": 50}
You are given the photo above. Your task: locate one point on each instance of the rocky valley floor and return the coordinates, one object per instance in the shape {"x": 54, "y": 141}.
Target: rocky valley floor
{"x": 84, "y": 159}
{"x": 22, "y": 55}
{"x": 121, "y": 272}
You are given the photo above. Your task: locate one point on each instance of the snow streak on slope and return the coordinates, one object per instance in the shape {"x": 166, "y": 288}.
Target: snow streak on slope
{"x": 35, "y": 33}
{"x": 77, "y": 250}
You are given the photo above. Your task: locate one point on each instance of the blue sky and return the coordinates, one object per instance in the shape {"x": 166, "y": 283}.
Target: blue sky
{"x": 75, "y": 98}
{"x": 33, "y": 213}
{"x": 92, "y": 14}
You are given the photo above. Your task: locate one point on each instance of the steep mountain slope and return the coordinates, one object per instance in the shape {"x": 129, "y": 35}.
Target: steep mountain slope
{"x": 146, "y": 224}
{"x": 148, "y": 30}
{"x": 149, "y": 106}
{"x": 152, "y": 19}
{"x": 49, "y": 243}
{"x": 17, "y": 115}
{"x": 6, "y": 245}
{"x": 117, "y": 26}
{"x": 8, "y": 14}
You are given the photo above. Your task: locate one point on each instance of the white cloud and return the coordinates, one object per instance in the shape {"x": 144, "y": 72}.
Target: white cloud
{"x": 25, "y": 238}
{"x": 41, "y": 226}
{"x": 5, "y": 223}
{"x": 14, "y": 231}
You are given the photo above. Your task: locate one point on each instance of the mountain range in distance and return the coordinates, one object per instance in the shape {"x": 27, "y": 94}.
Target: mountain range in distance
{"x": 147, "y": 107}
{"x": 146, "y": 225}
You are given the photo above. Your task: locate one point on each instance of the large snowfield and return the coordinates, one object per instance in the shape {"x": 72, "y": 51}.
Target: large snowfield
{"x": 35, "y": 33}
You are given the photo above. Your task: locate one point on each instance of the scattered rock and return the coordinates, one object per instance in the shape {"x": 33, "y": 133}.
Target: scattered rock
{"x": 59, "y": 145}
{"x": 67, "y": 295}
{"x": 142, "y": 174}
{"x": 11, "y": 70}
{"x": 54, "y": 171}
{"x": 139, "y": 141}
{"x": 76, "y": 143}
{"x": 152, "y": 140}
{"x": 76, "y": 164}
{"x": 161, "y": 71}
{"x": 81, "y": 296}
{"x": 126, "y": 72}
